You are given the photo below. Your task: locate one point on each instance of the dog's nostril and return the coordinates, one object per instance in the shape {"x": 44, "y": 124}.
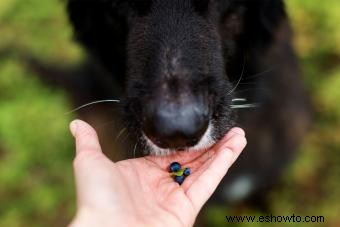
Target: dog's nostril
{"x": 176, "y": 126}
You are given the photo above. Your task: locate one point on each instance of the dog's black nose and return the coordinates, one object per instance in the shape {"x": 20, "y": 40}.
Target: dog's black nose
{"x": 176, "y": 126}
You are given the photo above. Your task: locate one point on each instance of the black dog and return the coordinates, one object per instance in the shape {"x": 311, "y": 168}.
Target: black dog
{"x": 187, "y": 64}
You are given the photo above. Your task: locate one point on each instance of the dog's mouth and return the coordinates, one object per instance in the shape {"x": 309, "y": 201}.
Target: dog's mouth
{"x": 156, "y": 147}
{"x": 166, "y": 122}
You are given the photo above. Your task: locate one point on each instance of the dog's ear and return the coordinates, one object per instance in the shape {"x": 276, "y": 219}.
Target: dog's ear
{"x": 263, "y": 18}
{"x": 97, "y": 21}
{"x": 101, "y": 26}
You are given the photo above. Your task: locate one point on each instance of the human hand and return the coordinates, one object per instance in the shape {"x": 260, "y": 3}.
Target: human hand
{"x": 140, "y": 192}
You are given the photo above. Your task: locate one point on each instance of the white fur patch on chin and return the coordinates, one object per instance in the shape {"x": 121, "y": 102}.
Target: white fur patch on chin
{"x": 205, "y": 142}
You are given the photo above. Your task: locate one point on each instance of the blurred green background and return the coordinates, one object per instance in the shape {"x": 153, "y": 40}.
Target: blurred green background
{"x": 36, "y": 150}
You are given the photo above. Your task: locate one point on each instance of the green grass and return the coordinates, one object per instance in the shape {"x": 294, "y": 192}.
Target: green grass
{"x": 36, "y": 150}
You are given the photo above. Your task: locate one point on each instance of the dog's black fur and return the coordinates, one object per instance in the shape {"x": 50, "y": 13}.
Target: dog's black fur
{"x": 170, "y": 54}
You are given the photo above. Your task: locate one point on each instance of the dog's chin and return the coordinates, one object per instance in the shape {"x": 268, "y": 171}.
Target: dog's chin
{"x": 205, "y": 143}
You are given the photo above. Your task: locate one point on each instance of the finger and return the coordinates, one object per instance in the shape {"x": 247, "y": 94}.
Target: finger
{"x": 231, "y": 144}
{"x": 89, "y": 154}
{"x": 204, "y": 186}
{"x": 233, "y": 131}
{"x": 91, "y": 167}
{"x": 204, "y": 161}
{"x": 86, "y": 137}
{"x": 189, "y": 157}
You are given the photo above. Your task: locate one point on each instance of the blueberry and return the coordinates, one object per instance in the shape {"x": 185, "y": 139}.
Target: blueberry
{"x": 186, "y": 172}
{"x": 175, "y": 167}
{"x": 180, "y": 179}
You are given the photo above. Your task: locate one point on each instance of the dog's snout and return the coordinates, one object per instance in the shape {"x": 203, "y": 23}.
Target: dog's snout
{"x": 176, "y": 126}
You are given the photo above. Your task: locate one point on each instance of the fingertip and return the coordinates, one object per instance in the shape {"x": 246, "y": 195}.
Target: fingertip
{"x": 85, "y": 136}
{"x": 235, "y": 141}
{"x": 234, "y": 132}
{"x": 235, "y": 145}
{"x": 79, "y": 127}
{"x": 226, "y": 152}
{"x": 74, "y": 127}
{"x": 242, "y": 143}
{"x": 238, "y": 131}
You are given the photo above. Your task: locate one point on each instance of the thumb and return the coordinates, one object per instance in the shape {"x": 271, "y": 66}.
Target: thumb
{"x": 89, "y": 154}
{"x": 91, "y": 166}
{"x": 86, "y": 137}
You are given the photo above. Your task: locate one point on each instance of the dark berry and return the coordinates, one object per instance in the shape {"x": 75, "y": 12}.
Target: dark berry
{"x": 175, "y": 167}
{"x": 186, "y": 172}
{"x": 180, "y": 179}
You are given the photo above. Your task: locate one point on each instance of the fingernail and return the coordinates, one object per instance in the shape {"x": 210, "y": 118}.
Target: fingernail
{"x": 74, "y": 127}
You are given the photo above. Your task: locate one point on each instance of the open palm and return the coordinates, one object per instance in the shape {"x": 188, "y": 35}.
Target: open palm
{"x": 140, "y": 192}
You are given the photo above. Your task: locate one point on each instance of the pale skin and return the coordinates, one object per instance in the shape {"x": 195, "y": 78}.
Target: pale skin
{"x": 140, "y": 192}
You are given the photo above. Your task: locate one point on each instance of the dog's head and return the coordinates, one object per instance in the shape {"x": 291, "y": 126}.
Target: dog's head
{"x": 177, "y": 88}
{"x": 176, "y": 56}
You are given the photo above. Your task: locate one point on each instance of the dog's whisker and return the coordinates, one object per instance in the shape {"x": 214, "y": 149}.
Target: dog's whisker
{"x": 240, "y": 79}
{"x": 119, "y": 134}
{"x": 260, "y": 74}
{"x": 126, "y": 137}
{"x": 248, "y": 83}
{"x": 93, "y": 103}
{"x": 239, "y": 100}
{"x": 244, "y": 106}
{"x": 252, "y": 89}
